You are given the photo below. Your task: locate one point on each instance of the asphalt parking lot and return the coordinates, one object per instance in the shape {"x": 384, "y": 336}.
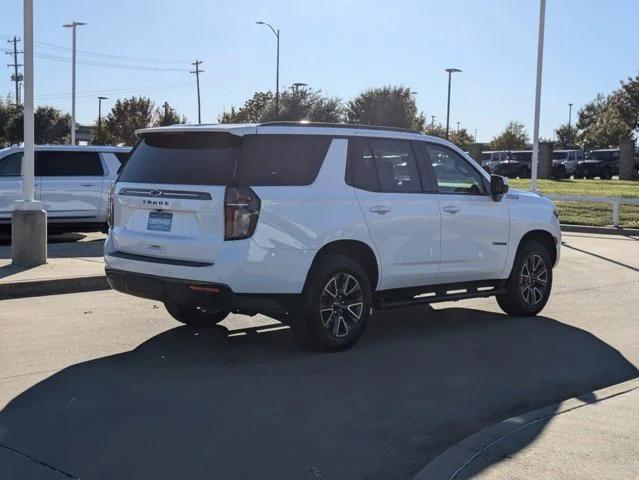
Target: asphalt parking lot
{"x": 101, "y": 385}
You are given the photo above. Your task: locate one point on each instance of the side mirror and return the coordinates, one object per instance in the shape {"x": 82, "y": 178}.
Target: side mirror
{"x": 498, "y": 186}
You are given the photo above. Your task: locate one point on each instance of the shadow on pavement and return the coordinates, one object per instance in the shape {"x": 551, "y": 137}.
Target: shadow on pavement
{"x": 196, "y": 404}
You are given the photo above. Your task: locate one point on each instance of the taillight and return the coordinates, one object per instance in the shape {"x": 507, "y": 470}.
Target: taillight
{"x": 241, "y": 211}
{"x": 110, "y": 205}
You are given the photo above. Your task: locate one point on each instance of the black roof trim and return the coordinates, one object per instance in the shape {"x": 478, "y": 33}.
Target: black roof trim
{"x": 336, "y": 125}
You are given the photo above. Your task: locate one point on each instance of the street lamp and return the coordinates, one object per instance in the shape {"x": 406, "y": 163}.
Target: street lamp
{"x": 450, "y": 74}
{"x": 296, "y": 86}
{"x": 73, "y": 25}
{"x": 100, "y": 113}
{"x": 277, "y": 69}
{"x": 458, "y": 126}
{"x": 570, "y": 123}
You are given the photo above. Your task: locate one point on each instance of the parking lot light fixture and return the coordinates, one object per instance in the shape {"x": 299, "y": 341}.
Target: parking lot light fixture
{"x": 73, "y": 25}
{"x": 276, "y": 32}
{"x": 450, "y": 74}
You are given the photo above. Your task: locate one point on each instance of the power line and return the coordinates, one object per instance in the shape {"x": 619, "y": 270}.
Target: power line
{"x": 92, "y": 63}
{"x": 91, "y": 93}
{"x": 52, "y": 46}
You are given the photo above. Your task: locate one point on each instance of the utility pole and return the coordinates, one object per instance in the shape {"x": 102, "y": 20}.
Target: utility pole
{"x": 17, "y": 76}
{"x": 74, "y": 26}
{"x": 100, "y": 113}
{"x": 197, "y": 72}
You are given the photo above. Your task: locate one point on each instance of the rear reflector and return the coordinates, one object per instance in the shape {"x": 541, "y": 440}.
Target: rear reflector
{"x": 199, "y": 288}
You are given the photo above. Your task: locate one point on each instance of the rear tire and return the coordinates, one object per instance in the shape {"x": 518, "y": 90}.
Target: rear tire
{"x": 530, "y": 281}
{"x": 337, "y": 304}
{"x": 196, "y": 316}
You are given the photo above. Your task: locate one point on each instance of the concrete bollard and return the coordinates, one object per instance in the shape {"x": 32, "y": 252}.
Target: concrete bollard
{"x": 627, "y": 167}
{"x": 474, "y": 150}
{"x": 545, "y": 160}
{"x": 28, "y": 227}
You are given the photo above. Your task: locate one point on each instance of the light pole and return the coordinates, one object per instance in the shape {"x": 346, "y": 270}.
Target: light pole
{"x": 100, "y": 113}
{"x": 73, "y": 25}
{"x": 475, "y": 137}
{"x": 277, "y": 69}
{"x": 570, "y": 123}
{"x": 458, "y": 127}
{"x": 540, "y": 61}
{"x": 432, "y": 120}
{"x": 28, "y": 220}
{"x": 450, "y": 74}
{"x": 296, "y": 86}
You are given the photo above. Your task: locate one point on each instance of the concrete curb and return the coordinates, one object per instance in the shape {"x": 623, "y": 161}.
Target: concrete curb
{"x": 55, "y": 286}
{"x": 600, "y": 230}
{"x": 450, "y": 463}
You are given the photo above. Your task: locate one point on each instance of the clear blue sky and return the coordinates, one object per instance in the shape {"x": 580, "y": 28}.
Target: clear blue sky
{"x": 339, "y": 46}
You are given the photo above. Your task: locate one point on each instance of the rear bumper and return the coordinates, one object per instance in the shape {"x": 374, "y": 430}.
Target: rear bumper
{"x": 201, "y": 294}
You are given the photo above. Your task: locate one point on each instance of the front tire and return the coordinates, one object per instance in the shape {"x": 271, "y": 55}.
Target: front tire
{"x": 337, "y": 304}
{"x": 530, "y": 282}
{"x": 196, "y": 316}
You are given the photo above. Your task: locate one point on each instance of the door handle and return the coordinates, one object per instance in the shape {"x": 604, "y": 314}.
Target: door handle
{"x": 451, "y": 209}
{"x": 88, "y": 184}
{"x": 381, "y": 209}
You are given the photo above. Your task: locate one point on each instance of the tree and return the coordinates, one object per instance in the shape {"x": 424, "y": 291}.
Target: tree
{"x": 251, "y": 112}
{"x": 51, "y": 126}
{"x": 126, "y": 117}
{"x": 8, "y": 112}
{"x": 566, "y": 136}
{"x": 301, "y": 104}
{"x": 435, "y": 130}
{"x": 513, "y": 137}
{"x": 387, "y": 106}
{"x": 626, "y": 98}
{"x": 461, "y": 138}
{"x": 602, "y": 122}
{"x": 166, "y": 115}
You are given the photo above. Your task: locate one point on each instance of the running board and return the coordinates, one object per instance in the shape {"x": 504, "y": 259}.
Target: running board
{"x": 437, "y": 293}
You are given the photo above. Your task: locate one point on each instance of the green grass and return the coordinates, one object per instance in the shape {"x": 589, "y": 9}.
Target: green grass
{"x": 580, "y": 213}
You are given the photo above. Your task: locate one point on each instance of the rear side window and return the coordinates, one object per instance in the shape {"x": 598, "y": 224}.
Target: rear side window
{"x": 361, "y": 171}
{"x": 11, "y": 166}
{"x": 281, "y": 159}
{"x": 396, "y": 166}
{"x": 68, "y": 164}
{"x": 223, "y": 159}
{"x": 184, "y": 158}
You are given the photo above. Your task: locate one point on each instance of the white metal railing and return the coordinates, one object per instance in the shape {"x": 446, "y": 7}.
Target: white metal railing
{"x": 616, "y": 202}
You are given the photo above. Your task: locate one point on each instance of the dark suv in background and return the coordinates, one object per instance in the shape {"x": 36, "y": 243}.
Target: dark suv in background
{"x": 599, "y": 163}
{"x": 519, "y": 164}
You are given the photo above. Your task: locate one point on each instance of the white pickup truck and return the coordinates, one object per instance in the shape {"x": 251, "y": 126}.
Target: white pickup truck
{"x": 72, "y": 182}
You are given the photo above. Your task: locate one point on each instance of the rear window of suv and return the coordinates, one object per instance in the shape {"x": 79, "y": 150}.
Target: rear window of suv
{"x": 223, "y": 159}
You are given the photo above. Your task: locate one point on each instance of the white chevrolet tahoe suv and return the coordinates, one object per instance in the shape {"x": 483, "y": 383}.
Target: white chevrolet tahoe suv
{"x": 316, "y": 225}
{"x": 72, "y": 182}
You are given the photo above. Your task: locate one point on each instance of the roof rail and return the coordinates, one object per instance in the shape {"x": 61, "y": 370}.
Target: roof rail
{"x": 335, "y": 125}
